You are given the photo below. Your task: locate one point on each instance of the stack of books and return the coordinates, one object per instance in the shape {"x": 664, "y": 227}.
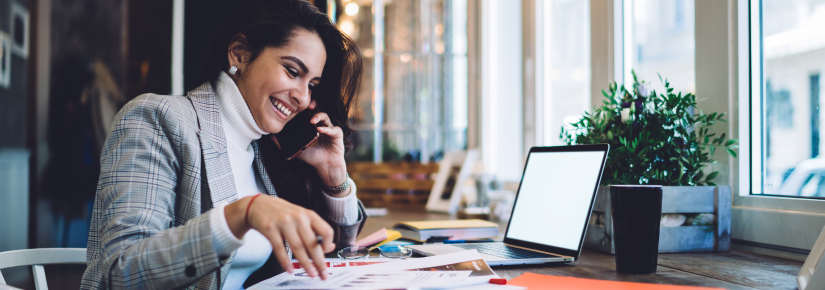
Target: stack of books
{"x": 455, "y": 229}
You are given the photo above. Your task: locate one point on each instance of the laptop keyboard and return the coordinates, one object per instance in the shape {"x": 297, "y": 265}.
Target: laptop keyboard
{"x": 504, "y": 251}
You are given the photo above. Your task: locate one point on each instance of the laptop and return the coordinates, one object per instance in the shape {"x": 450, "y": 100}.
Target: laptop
{"x": 551, "y": 211}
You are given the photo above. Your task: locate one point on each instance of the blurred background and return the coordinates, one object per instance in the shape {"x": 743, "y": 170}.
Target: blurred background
{"x": 440, "y": 76}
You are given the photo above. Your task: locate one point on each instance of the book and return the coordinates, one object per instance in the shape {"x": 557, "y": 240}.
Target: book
{"x": 539, "y": 281}
{"x": 378, "y": 238}
{"x": 375, "y": 237}
{"x": 391, "y": 236}
{"x": 456, "y": 229}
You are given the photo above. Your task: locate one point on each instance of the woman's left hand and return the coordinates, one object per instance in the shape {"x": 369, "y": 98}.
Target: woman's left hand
{"x": 327, "y": 153}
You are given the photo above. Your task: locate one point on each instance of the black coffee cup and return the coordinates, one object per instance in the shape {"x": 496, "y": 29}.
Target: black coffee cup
{"x": 637, "y": 210}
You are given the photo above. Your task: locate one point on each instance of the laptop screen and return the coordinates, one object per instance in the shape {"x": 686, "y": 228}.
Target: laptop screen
{"x": 555, "y": 197}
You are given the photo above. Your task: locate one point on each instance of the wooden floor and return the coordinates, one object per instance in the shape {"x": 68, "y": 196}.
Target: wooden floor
{"x": 731, "y": 270}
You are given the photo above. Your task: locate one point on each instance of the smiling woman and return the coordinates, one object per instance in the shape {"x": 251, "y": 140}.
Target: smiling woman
{"x": 279, "y": 83}
{"x": 191, "y": 195}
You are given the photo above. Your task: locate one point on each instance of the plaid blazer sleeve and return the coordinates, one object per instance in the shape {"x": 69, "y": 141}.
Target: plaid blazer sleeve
{"x": 140, "y": 248}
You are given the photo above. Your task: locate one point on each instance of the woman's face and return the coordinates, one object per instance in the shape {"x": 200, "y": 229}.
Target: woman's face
{"x": 278, "y": 84}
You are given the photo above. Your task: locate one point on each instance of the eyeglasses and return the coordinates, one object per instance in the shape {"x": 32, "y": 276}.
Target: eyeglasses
{"x": 392, "y": 252}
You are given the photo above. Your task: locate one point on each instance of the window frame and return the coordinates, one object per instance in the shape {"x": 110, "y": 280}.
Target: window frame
{"x": 785, "y": 223}
{"x": 751, "y": 64}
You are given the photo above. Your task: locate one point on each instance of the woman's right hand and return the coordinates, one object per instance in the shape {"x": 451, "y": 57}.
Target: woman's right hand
{"x": 279, "y": 220}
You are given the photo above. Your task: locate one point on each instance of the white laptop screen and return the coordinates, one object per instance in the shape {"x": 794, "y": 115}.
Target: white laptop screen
{"x": 554, "y": 198}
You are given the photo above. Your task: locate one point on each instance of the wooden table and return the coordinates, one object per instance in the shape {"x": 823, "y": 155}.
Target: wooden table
{"x": 731, "y": 270}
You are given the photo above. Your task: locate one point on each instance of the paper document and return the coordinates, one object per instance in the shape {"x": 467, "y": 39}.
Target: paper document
{"x": 373, "y": 280}
{"x": 436, "y": 272}
{"x": 339, "y": 263}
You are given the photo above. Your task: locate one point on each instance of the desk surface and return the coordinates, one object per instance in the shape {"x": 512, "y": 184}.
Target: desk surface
{"x": 731, "y": 270}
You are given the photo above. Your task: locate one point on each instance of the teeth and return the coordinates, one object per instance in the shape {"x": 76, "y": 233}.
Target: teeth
{"x": 281, "y": 107}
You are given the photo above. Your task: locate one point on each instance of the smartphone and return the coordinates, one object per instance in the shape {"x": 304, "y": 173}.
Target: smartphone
{"x": 297, "y": 135}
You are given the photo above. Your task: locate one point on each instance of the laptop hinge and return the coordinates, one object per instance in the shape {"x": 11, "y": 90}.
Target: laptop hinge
{"x": 534, "y": 250}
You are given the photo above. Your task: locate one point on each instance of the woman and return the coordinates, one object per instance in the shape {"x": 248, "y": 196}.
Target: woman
{"x": 191, "y": 195}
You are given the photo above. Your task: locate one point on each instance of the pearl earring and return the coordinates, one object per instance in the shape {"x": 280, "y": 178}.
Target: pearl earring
{"x": 233, "y": 70}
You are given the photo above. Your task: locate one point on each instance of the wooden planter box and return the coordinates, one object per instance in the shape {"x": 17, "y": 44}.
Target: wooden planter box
{"x": 688, "y": 200}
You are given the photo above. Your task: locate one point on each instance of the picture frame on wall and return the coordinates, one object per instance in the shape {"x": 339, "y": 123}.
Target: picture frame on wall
{"x": 19, "y": 30}
{"x": 5, "y": 60}
{"x": 453, "y": 172}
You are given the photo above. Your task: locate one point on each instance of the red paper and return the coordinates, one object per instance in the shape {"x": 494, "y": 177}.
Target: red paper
{"x": 539, "y": 281}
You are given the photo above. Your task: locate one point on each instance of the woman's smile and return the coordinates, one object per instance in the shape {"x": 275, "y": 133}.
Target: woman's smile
{"x": 281, "y": 109}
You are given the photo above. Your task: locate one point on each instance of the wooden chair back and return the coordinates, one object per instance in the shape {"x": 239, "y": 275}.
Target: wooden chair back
{"x": 393, "y": 184}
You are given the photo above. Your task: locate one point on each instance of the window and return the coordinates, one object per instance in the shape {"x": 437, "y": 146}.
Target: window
{"x": 660, "y": 40}
{"x": 780, "y": 59}
{"x": 787, "y": 59}
{"x": 413, "y": 100}
{"x": 566, "y": 57}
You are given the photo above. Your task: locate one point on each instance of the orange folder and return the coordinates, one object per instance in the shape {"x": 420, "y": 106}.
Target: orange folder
{"x": 539, "y": 281}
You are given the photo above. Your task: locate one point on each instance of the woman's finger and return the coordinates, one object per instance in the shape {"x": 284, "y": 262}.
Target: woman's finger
{"x": 333, "y": 132}
{"x": 279, "y": 250}
{"x": 313, "y": 249}
{"x": 321, "y": 119}
{"x": 299, "y": 251}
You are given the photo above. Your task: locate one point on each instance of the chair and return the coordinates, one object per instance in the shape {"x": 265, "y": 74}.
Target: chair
{"x": 393, "y": 184}
{"x": 39, "y": 257}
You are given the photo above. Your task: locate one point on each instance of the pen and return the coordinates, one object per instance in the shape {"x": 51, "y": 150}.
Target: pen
{"x": 467, "y": 241}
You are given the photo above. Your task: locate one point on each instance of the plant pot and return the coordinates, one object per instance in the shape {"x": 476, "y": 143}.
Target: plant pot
{"x": 699, "y": 233}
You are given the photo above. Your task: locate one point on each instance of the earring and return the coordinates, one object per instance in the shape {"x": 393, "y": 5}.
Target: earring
{"x": 233, "y": 70}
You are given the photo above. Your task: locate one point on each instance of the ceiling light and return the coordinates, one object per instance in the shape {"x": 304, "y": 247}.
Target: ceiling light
{"x": 351, "y": 9}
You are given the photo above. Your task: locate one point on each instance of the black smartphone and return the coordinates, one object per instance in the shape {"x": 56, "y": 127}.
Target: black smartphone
{"x": 297, "y": 135}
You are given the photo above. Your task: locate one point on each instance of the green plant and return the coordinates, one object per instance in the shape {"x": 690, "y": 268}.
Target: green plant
{"x": 654, "y": 139}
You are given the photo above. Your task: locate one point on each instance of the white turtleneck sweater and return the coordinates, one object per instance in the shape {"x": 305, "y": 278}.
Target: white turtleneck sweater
{"x": 240, "y": 129}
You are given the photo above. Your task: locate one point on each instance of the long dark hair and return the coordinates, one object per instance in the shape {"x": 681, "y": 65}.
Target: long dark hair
{"x": 272, "y": 23}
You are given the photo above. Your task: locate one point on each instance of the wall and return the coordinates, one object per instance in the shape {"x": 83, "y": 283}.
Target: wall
{"x": 79, "y": 32}
{"x": 713, "y": 48}
{"x": 13, "y": 98}
{"x": 202, "y": 21}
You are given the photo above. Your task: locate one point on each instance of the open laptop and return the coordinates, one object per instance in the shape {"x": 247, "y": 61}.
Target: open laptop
{"x": 551, "y": 210}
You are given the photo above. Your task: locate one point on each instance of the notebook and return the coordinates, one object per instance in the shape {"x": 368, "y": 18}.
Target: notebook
{"x": 379, "y": 238}
{"x": 456, "y": 229}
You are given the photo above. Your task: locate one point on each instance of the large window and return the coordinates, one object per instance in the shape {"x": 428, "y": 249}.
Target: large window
{"x": 566, "y": 49}
{"x": 413, "y": 102}
{"x": 787, "y": 48}
{"x": 660, "y": 39}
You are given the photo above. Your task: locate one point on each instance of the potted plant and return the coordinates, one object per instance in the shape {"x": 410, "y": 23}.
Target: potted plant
{"x": 658, "y": 139}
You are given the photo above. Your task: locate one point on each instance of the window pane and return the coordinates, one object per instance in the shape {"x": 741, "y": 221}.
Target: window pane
{"x": 424, "y": 78}
{"x": 793, "y": 48}
{"x": 567, "y": 65}
{"x": 664, "y": 43}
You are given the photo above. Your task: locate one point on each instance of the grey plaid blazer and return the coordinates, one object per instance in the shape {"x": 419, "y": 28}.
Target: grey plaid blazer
{"x": 163, "y": 166}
